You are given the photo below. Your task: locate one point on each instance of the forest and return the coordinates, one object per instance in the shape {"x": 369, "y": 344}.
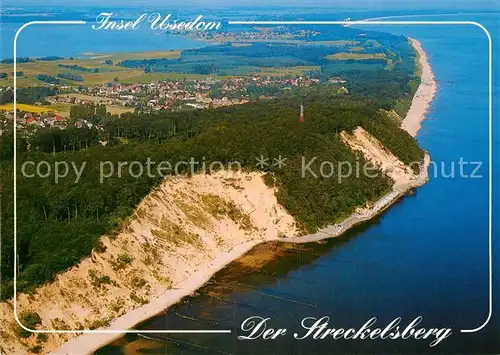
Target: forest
{"x": 49, "y": 79}
{"x": 19, "y": 60}
{"x": 58, "y": 224}
{"x": 79, "y": 68}
{"x": 69, "y": 76}
{"x": 28, "y": 95}
{"x": 227, "y": 59}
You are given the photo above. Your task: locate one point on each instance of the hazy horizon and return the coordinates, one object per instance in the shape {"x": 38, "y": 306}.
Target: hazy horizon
{"x": 415, "y": 5}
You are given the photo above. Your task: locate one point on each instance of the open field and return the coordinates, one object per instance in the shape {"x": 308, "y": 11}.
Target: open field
{"x": 149, "y": 77}
{"x": 118, "y": 110}
{"x": 106, "y": 72}
{"x": 361, "y": 56}
{"x": 299, "y": 70}
{"x": 90, "y": 98}
{"x": 114, "y": 109}
{"x": 300, "y": 42}
{"x": 241, "y": 41}
{"x": 60, "y": 109}
{"x": 25, "y": 107}
{"x": 63, "y": 109}
{"x": 133, "y": 55}
{"x": 212, "y": 61}
{"x": 356, "y": 56}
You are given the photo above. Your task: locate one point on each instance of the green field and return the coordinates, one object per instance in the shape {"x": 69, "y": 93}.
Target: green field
{"x": 283, "y": 57}
{"x": 361, "y": 56}
{"x": 64, "y": 108}
{"x": 107, "y": 73}
{"x": 356, "y": 56}
{"x": 239, "y": 42}
{"x": 116, "y": 73}
{"x": 60, "y": 222}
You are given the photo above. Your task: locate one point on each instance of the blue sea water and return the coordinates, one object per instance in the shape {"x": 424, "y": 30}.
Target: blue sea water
{"x": 45, "y": 40}
{"x": 426, "y": 256}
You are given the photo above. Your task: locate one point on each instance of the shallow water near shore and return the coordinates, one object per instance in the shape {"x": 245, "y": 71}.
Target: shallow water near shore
{"x": 425, "y": 256}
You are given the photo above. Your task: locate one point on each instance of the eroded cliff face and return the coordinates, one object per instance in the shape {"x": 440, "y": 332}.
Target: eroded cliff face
{"x": 176, "y": 231}
{"x": 363, "y": 142}
{"x": 180, "y": 234}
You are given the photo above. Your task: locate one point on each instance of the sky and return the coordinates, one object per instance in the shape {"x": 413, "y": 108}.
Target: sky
{"x": 490, "y": 5}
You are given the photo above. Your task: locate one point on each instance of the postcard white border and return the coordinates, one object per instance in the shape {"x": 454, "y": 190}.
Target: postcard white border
{"x": 490, "y": 175}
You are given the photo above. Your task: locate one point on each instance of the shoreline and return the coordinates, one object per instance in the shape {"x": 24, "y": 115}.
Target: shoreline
{"x": 424, "y": 94}
{"x": 89, "y": 343}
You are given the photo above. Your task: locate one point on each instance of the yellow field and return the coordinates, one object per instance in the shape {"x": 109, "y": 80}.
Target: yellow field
{"x": 62, "y": 109}
{"x": 24, "y": 107}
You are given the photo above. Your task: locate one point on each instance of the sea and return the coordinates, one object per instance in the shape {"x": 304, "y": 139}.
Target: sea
{"x": 427, "y": 256}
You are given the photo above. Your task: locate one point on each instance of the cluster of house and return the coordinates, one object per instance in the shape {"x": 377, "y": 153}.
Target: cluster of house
{"x": 263, "y": 34}
{"x": 41, "y": 119}
{"x": 176, "y": 94}
{"x": 172, "y": 95}
{"x": 44, "y": 119}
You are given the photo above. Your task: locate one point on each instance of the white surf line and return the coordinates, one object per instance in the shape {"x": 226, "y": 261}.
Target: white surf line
{"x": 490, "y": 120}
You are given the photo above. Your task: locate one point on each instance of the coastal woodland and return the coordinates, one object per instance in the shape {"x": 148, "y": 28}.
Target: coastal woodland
{"x": 59, "y": 223}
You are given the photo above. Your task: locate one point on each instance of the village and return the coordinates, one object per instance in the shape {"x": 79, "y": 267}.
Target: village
{"x": 173, "y": 95}
{"x": 181, "y": 94}
{"x": 278, "y": 33}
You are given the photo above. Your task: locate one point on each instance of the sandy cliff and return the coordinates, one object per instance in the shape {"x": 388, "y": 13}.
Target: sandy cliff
{"x": 180, "y": 235}
{"x": 182, "y": 229}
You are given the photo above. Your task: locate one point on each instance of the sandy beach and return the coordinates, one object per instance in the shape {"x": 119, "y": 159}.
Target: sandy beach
{"x": 89, "y": 342}
{"x": 424, "y": 95}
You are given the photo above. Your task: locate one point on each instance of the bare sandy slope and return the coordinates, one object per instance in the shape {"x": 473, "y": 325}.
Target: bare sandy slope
{"x": 179, "y": 236}
{"x": 404, "y": 180}
{"x": 424, "y": 95}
